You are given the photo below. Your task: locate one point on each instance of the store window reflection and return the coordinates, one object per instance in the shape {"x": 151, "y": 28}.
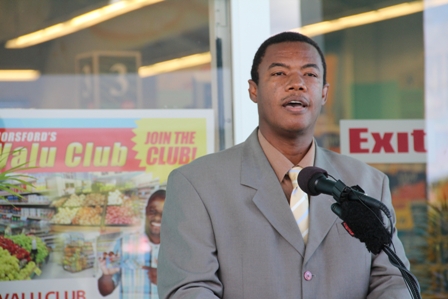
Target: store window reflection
{"x": 376, "y": 58}
{"x": 105, "y": 54}
{"x": 85, "y": 209}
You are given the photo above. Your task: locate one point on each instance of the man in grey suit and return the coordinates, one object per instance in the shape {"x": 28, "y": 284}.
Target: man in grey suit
{"x": 228, "y": 230}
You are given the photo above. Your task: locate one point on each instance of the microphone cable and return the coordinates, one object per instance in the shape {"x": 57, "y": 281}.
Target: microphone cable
{"x": 410, "y": 280}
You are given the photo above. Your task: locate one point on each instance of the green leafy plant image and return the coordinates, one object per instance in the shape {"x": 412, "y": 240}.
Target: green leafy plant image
{"x": 12, "y": 182}
{"x": 15, "y": 259}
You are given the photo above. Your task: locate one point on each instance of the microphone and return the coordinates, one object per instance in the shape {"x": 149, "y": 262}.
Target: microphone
{"x": 361, "y": 214}
{"x": 313, "y": 181}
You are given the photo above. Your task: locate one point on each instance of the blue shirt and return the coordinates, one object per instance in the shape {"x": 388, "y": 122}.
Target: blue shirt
{"x": 136, "y": 251}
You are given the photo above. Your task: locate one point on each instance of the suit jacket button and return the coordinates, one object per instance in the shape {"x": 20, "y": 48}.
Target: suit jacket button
{"x": 308, "y": 275}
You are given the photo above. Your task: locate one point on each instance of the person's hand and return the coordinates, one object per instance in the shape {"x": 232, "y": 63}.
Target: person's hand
{"x": 107, "y": 270}
{"x": 152, "y": 274}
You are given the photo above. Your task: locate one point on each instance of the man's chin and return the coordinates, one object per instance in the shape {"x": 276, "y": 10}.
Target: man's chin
{"x": 153, "y": 234}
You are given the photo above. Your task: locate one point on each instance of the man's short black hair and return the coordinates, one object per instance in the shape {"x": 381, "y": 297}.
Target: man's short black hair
{"x": 159, "y": 194}
{"x": 281, "y": 38}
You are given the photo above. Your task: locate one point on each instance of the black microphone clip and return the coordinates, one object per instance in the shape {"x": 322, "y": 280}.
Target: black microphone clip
{"x": 340, "y": 194}
{"x": 341, "y": 191}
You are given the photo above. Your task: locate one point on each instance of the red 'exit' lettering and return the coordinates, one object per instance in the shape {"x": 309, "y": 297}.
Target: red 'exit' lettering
{"x": 383, "y": 141}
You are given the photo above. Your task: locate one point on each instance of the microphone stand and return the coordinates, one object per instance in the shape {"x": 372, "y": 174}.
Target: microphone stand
{"x": 365, "y": 223}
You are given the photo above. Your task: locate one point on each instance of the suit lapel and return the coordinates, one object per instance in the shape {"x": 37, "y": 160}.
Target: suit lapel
{"x": 257, "y": 173}
{"x": 321, "y": 216}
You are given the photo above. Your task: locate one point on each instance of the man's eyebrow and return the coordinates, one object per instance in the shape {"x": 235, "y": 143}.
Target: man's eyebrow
{"x": 308, "y": 65}
{"x": 312, "y": 65}
{"x": 274, "y": 64}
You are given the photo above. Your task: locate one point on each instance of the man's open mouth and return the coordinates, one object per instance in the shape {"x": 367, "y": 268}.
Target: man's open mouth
{"x": 295, "y": 104}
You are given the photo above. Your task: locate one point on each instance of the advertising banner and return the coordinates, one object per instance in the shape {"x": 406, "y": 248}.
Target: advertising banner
{"x": 84, "y": 219}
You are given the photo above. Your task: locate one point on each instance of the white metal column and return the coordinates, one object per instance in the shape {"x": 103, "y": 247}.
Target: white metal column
{"x": 250, "y": 26}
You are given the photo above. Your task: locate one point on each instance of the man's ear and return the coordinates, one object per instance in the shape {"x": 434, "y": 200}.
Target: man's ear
{"x": 253, "y": 91}
{"x": 325, "y": 93}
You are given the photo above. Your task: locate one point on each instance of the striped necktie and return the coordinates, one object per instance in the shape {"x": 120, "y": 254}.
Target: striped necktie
{"x": 299, "y": 203}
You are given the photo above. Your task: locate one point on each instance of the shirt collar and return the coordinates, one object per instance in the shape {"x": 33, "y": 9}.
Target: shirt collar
{"x": 280, "y": 164}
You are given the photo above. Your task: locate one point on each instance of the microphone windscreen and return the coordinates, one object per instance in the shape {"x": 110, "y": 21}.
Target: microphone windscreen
{"x": 307, "y": 177}
{"x": 366, "y": 224}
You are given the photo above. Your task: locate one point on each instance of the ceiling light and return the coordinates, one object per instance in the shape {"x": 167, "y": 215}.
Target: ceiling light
{"x": 175, "y": 64}
{"x": 433, "y": 3}
{"x": 19, "y": 75}
{"x": 78, "y": 23}
{"x": 382, "y": 14}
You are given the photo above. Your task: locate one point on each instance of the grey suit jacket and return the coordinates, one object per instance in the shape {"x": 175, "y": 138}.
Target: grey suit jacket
{"x": 228, "y": 232}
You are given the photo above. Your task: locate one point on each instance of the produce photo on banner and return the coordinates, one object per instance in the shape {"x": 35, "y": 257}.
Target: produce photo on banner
{"x": 82, "y": 196}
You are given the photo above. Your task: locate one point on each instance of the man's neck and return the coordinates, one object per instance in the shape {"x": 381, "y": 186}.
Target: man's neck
{"x": 293, "y": 148}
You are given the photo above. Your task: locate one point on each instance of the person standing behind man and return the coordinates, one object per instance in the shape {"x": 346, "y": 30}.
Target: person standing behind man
{"x": 136, "y": 270}
{"x": 228, "y": 229}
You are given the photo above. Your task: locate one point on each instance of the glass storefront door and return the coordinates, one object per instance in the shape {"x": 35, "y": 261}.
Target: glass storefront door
{"x": 102, "y": 99}
{"x": 386, "y": 67}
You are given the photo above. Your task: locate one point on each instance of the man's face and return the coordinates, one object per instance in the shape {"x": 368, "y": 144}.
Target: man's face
{"x": 154, "y": 217}
{"x": 290, "y": 92}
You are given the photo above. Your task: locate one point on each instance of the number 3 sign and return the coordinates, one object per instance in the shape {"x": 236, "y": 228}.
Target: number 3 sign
{"x": 108, "y": 80}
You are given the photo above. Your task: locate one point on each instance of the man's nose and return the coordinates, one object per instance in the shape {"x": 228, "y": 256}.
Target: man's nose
{"x": 296, "y": 82}
{"x": 158, "y": 216}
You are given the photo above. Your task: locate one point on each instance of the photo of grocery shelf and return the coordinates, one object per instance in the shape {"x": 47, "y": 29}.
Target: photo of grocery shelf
{"x": 98, "y": 209}
{"x": 64, "y": 213}
{"x": 78, "y": 255}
